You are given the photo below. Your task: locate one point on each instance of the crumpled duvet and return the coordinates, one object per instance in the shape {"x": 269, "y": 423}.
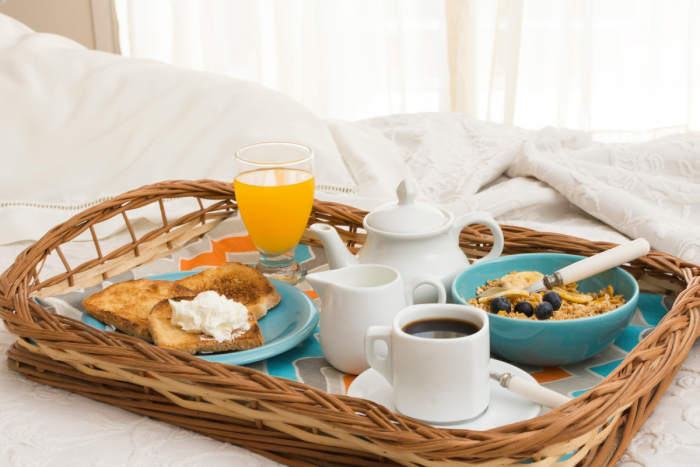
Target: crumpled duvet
{"x": 556, "y": 180}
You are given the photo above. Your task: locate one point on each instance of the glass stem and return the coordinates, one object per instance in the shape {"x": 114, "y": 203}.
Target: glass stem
{"x": 281, "y": 266}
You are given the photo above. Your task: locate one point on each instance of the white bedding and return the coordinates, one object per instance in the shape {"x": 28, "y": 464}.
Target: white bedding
{"x": 551, "y": 180}
{"x": 668, "y": 438}
{"x": 649, "y": 190}
{"x": 78, "y": 127}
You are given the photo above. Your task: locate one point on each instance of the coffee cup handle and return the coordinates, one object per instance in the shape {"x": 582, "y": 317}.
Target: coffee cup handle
{"x": 425, "y": 280}
{"x": 381, "y": 365}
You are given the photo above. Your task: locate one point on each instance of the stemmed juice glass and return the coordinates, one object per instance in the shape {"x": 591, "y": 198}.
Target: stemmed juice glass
{"x": 274, "y": 186}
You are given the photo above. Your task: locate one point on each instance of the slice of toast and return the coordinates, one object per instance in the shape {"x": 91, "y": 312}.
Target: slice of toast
{"x": 238, "y": 282}
{"x": 126, "y": 305}
{"x": 173, "y": 337}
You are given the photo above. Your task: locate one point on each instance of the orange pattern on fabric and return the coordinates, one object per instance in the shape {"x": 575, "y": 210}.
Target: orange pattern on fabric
{"x": 217, "y": 255}
{"x": 549, "y": 374}
{"x": 348, "y": 379}
{"x": 311, "y": 294}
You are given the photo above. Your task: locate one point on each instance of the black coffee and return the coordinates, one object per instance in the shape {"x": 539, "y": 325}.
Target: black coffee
{"x": 440, "y": 328}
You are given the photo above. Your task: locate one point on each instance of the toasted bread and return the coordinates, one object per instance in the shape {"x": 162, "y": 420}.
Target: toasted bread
{"x": 126, "y": 305}
{"x": 238, "y": 282}
{"x": 173, "y": 337}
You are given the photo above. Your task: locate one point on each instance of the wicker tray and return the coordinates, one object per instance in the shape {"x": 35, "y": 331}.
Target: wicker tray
{"x": 293, "y": 423}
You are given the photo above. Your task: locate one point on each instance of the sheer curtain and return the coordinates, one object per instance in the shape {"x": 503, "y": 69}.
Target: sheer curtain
{"x": 624, "y": 70}
{"x": 349, "y": 59}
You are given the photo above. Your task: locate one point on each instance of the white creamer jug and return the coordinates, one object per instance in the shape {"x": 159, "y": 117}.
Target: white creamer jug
{"x": 355, "y": 298}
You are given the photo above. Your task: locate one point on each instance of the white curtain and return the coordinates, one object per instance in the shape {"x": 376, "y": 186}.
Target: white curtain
{"x": 349, "y": 59}
{"x": 624, "y": 70}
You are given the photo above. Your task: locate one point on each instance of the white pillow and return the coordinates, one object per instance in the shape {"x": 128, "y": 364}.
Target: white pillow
{"x": 78, "y": 127}
{"x": 10, "y": 27}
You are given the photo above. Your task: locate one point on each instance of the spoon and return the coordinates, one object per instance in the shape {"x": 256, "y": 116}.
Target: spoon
{"x": 534, "y": 392}
{"x": 585, "y": 268}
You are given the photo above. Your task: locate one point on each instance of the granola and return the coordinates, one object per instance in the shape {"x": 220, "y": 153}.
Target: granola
{"x": 571, "y": 307}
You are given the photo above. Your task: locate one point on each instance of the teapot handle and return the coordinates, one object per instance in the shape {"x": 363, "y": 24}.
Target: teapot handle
{"x": 485, "y": 218}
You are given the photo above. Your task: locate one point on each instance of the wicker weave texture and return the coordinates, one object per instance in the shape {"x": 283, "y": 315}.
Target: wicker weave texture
{"x": 294, "y": 423}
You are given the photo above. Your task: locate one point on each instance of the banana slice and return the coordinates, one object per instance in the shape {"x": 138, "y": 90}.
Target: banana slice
{"x": 521, "y": 280}
{"x": 573, "y": 297}
{"x": 532, "y": 276}
{"x": 509, "y": 294}
{"x": 513, "y": 281}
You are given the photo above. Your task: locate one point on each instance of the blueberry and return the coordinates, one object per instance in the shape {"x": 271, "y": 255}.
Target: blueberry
{"x": 544, "y": 310}
{"x": 553, "y": 299}
{"x": 500, "y": 304}
{"x": 524, "y": 308}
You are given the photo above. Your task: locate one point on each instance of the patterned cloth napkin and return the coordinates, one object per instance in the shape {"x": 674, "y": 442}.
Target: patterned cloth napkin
{"x": 229, "y": 241}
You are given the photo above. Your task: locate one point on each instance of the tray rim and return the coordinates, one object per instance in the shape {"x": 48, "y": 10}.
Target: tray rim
{"x": 293, "y": 423}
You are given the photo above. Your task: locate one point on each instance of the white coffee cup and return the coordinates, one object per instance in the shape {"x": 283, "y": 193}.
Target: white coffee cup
{"x": 435, "y": 380}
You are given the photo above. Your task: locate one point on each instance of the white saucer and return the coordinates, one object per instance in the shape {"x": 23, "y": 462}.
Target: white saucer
{"x": 504, "y": 408}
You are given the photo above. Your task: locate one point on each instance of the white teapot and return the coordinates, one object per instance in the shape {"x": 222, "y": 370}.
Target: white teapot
{"x": 414, "y": 238}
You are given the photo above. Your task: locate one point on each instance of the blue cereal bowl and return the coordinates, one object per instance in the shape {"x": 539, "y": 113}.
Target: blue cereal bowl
{"x": 550, "y": 343}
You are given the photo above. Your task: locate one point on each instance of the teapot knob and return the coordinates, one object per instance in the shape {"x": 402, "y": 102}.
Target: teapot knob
{"x": 406, "y": 192}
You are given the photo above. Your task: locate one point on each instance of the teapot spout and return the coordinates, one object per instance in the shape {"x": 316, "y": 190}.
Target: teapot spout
{"x": 338, "y": 255}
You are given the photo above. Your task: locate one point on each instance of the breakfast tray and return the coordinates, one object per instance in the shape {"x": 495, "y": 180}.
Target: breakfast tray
{"x": 296, "y": 424}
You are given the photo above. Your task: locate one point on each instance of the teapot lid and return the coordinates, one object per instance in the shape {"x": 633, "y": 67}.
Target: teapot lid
{"x": 406, "y": 216}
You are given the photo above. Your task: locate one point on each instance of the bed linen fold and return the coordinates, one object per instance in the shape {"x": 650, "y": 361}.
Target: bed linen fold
{"x": 556, "y": 180}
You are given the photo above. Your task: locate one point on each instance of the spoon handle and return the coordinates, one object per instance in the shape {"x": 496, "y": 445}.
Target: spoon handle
{"x": 602, "y": 262}
{"x": 534, "y": 392}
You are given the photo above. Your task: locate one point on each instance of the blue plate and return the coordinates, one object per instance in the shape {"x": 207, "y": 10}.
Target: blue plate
{"x": 550, "y": 343}
{"x": 283, "y": 327}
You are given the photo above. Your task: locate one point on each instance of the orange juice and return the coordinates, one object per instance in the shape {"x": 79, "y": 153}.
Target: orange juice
{"x": 275, "y": 205}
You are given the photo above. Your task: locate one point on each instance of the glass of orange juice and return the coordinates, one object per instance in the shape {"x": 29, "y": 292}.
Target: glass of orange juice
{"x": 274, "y": 186}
